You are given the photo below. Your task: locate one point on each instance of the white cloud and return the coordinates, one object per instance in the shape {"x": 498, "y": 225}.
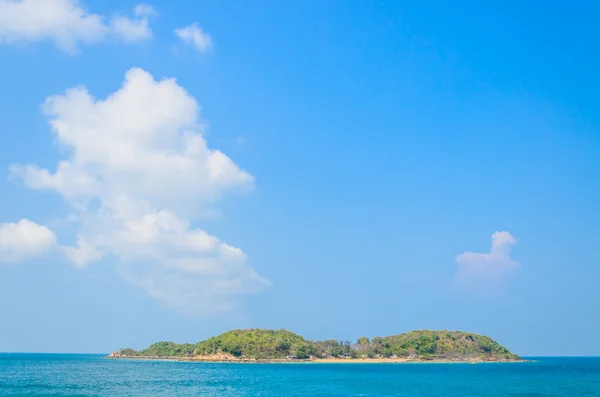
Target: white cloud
{"x": 490, "y": 267}
{"x": 144, "y": 11}
{"x": 83, "y": 254}
{"x": 137, "y": 171}
{"x": 194, "y": 36}
{"x": 24, "y": 240}
{"x": 67, "y": 23}
{"x": 140, "y": 142}
{"x": 132, "y": 30}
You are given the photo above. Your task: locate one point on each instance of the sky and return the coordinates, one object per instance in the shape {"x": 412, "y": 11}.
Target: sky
{"x": 173, "y": 170}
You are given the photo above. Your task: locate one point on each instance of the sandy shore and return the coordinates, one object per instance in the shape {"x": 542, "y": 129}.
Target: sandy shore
{"x": 361, "y": 360}
{"x": 221, "y": 358}
{"x": 403, "y": 361}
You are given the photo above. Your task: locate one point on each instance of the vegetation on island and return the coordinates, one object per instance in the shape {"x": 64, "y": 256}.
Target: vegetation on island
{"x": 262, "y": 344}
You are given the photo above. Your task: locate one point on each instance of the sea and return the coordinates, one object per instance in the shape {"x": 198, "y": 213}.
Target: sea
{"x": 94, "y": 375}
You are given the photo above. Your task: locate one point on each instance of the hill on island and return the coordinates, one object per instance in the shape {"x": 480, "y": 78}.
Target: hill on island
{"x": 262, "y": 344}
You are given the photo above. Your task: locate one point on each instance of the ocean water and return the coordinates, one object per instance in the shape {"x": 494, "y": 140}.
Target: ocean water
{"x": 93, "y": 375}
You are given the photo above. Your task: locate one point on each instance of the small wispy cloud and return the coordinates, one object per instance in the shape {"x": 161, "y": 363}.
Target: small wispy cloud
{"x": 144, "y": 11}
{"x": 136, "y": 29}
{"x": 487, "y": 268}
{"x": 195, "y": 37}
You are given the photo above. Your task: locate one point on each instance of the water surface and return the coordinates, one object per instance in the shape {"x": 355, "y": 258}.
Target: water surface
{"x": 93, "y": 375}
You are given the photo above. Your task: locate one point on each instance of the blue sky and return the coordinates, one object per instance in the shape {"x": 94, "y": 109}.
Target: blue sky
{"x": 332, "y": 168}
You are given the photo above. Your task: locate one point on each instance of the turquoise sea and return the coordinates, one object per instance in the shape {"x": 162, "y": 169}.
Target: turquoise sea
{"x": 93, "y": 375}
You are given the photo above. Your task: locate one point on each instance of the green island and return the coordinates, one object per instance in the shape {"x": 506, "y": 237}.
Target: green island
{"x": 262, "y": 345}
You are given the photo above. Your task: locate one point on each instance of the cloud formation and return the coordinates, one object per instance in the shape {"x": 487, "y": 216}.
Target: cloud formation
{"x": 67, "y": 23}
{"x": 490, "y": 267}
{"x": 195, "y": 37}
{"x": 24, "y": 240}
{"x": 137, "y": 171}
{"x": 133, "y": 30}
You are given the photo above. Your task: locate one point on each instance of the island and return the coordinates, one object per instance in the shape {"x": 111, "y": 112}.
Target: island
{"x": 263, "y": 345}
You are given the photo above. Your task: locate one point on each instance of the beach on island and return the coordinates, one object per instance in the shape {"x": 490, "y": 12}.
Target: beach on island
{"x": 225, "y": 358}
